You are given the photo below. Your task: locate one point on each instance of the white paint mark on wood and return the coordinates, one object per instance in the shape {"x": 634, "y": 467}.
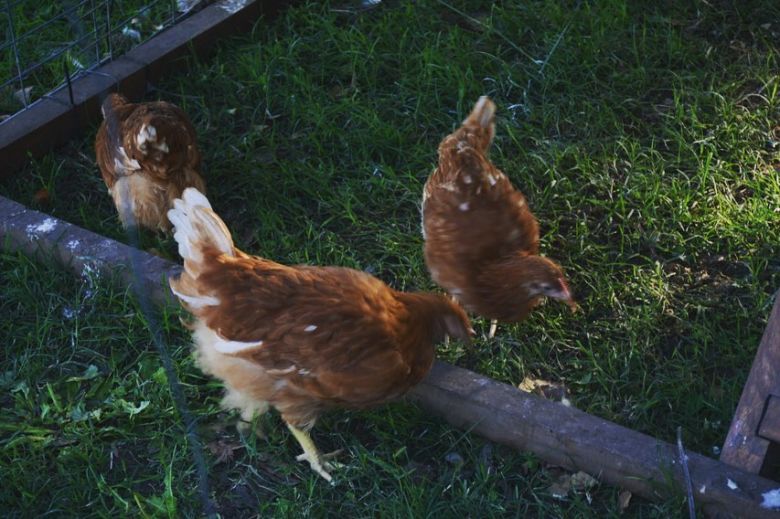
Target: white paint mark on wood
{"x": 233, "y": 6}
{"x": 771, "y": 499}
{"x": 35, "y": 230}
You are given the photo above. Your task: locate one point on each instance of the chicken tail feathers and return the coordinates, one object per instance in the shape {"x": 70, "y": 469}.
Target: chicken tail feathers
{"x": 111, "y": 103}
{"x": 197, "y": 227}
{"x": 112, "y": 133}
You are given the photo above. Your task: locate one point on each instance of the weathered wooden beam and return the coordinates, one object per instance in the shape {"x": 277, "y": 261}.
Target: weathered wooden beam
{"x": 45, "y": 237}
{"x": 51, "y": 121}
{"x": 743, "y": 447}
{"x": 579, "y": 441}
{"x": 769, "y": 427}
{"x": 558, "y": 434}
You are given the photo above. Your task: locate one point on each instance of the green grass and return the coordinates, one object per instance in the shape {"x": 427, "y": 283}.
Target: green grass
{"x": 645, "y": 138}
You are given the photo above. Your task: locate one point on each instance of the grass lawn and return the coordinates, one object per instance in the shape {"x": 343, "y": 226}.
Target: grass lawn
{"x": 646, "y": 138}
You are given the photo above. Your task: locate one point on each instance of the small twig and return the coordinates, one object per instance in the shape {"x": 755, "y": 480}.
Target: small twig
{"x": 542, "y": 63}
{"x": 488, "y": 28}
{"x": 686, "y": 474}
{"x": 558, "y": 40}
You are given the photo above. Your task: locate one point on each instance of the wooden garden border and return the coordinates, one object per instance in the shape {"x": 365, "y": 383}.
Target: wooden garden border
{"x": 52, "y": 120}
{"x": 556, "y": 433}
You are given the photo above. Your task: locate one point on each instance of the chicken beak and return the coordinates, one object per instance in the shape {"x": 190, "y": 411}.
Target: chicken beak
{"x": 564, "y": 295}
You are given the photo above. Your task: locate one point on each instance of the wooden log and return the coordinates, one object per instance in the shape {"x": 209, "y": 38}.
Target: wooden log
{"x": 743, "y": 447}
{"x": 51, "y": 121}
{"x": 45, "y": 237}
{"x": 579, "y": 441}
{"x": 770, "y": 423}
{"x": 556, "y": 433}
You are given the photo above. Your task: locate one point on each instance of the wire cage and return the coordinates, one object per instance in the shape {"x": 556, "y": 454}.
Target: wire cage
{"x": 45, "y": 45}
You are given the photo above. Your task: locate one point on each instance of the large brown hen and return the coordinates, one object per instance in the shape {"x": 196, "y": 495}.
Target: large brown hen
{"x": 147, "y": 154}
{"x": 301, "y": 339}
{"x": 481, "y": 239}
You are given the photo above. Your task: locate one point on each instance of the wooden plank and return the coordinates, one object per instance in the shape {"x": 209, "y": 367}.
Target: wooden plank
{"x": 45, "y": 237}
{"x": 769, "y": 428}
{"x": 50, "y": 122}
{"x": 743, "y": 447}
{"x": 558, "y": 434}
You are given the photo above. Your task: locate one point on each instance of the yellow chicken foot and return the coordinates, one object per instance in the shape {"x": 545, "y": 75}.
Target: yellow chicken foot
{"x": 493, "y": 327}
{"x": 312, "y": 454}
{"x": 325, "y": 457}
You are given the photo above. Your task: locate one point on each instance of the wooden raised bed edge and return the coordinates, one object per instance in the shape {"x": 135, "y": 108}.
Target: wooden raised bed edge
{"x": 52, "y": 120}
{"x": 748, "y": 444}
{"x": 558, "y": 434}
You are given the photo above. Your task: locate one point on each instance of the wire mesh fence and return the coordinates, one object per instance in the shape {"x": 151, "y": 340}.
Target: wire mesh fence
{"x": 45, "y": 45}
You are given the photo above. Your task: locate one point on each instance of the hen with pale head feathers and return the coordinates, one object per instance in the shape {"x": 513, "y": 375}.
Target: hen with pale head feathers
{"x": 147, "y": 154}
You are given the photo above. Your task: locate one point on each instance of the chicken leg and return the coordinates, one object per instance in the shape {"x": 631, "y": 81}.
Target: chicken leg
{"x": 312, "y": 454}
{"x": 493, "y": 327}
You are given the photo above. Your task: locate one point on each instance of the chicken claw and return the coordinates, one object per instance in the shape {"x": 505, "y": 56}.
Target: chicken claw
{"x": 325, "y": 457}
{"x": 311, "y": 454}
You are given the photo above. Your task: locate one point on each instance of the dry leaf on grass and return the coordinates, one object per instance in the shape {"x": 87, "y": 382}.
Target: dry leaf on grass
{"x": 42, "y": 196}
{"x": 624, "y": 498}
{"x": 565, "y": 483}
{"x": 223, "y": 450}
{"x": 556, "y": 391}
{"x": 560, "y": 487}
{"x": 582, "y": 481}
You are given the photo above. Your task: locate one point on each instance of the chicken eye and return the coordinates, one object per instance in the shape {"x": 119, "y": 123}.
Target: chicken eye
{"x": 545, "y": 286}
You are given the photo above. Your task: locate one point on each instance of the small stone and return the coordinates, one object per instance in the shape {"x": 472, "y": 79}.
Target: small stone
{"x": 454, "y": 458}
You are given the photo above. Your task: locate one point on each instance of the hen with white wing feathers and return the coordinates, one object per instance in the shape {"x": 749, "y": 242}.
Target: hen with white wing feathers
{"x": 301, "y": 339}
